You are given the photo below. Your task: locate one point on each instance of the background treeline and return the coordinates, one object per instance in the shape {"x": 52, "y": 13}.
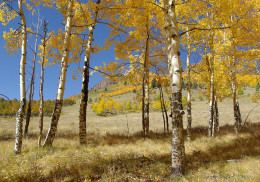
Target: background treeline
{"x": 9, "y": 108}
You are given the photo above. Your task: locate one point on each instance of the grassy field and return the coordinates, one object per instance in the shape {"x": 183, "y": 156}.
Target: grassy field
{"x": 113, "y": 154}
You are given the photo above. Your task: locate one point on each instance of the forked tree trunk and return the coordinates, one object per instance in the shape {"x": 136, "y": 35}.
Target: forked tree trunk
{"x": 172, "y": 37}
{"x": 189, "y": 118}
{"x": 85, "y": 81}
{"x": 62, "y": 79}
{"x": 29, "y": 108}
{"x": 41, "y": 86}
{"x": 21, "y": 110}
{"x": 145, "y": 98}
{"x": 162, "y": 109}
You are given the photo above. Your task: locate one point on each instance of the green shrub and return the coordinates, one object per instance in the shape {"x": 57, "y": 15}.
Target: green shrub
{"x": 200, "y": 96}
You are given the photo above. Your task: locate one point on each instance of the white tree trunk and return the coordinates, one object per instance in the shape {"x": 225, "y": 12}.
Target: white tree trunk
{"x": 146, "y": 86}
{"x": 62, "y": 80}
{"x": 85, "y": 81}
{"x": 174, "y": 64}
{"x": 20, "y": 113}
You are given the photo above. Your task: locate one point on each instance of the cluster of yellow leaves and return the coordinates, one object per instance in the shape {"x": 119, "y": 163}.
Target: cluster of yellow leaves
{"x": 121, "y": 89}
{"x": 103, "y": 107}
{"x": 110, "y": 106}
{"x": 5, "y": 14}
{"x": 12, "y": 41}
{"x": 248, "y": 80}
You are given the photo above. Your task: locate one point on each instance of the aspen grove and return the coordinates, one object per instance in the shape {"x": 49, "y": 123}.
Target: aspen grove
{"x": 164, "y": 52}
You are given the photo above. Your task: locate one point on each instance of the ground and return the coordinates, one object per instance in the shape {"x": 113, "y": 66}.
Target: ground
{"x": 113, "y": 154}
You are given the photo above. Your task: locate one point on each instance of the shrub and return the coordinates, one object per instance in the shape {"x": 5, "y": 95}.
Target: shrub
{"x": 200, "y": 96}
{"x": 134, "y": 107}
{"x": 257, "y": 88}
{"x": 129, "y": 106}
{"x": 184, "y": 101}
{"x": 240, "y": 91}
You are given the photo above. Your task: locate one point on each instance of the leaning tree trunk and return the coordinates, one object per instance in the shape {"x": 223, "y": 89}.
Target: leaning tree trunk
{"x": 41, "y": 86}
{"x": 174, "y": 64}
{"x": 20, "y": 113}
{"x": 189, "y": 118}
{"x": 85, "y": 81}
{"x": 29, "y": 108}
{"x": 145, "y": 99}
{"x": 62, "y": 80}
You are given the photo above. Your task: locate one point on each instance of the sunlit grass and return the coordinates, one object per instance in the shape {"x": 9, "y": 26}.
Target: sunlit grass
{"x": 124, "y": 157}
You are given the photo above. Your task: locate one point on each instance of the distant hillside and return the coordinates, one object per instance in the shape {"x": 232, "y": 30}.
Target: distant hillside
{"x": 103, "y": 84}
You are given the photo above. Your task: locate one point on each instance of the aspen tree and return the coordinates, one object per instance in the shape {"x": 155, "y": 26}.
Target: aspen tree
{"x": 21, "y": 111}
{"x": 85, "y": 78}
{"x": 174, "y": 64}
{"x": 62, "y": 79}
{"x": 43, "y": 57}
{"x": 189, "y": 117}
{"x": 29, "y": 105}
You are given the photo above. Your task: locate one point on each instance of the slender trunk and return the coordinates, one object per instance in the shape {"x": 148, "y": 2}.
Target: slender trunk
{"x": 162, "y": 109}
{"x": 29, "y": 108}
{"x": 189, "y": 118}
{"x": 165, "y": 112}
{"x": 216, "y": 117}
{"x": 85, "y": 81}
{"x": 41, "y": 86}
{"x": 21, "y": 110}
{"x": 237, "y": 114}
{"x": 211, "y": 129}
{"x": 211, "y": 106}
{"x": 145, "y": 98}
{"x": 174, "y": 64}
{"x": 62, "y": 80}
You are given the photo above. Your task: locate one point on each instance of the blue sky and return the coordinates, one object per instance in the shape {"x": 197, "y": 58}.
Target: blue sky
{"x": 9, "y": 70}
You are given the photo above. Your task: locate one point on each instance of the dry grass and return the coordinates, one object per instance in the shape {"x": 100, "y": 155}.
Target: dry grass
{"x": 121, "y": 157}
{"x": 113, "y": 154}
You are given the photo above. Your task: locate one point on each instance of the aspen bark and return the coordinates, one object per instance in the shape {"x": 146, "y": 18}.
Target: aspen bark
{"x": 211, "y": 129}
{"x": 174, "y": 64}
{"x": 29, "y": 108}
{"x": 85, "y": 81}
{"x": 62, "y": 80}
{"x": 189, "y": 118}
{"x": 41, "y": 87}
{"x": 237, "y": 114}
{"x": 21, "y": 110}
{"x": 145, "y": 99}
{"x": 211, "y": 106}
